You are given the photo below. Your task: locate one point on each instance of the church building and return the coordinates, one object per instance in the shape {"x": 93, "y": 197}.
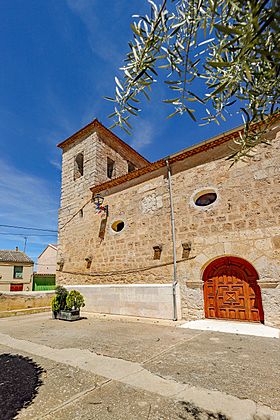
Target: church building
{"x": 186, "y": 237}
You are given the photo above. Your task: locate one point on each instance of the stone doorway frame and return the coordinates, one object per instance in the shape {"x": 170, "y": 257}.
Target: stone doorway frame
{"x": 250, "y": 278}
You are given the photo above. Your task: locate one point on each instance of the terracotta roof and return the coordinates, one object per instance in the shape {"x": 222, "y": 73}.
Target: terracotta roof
{"x": 183, "y": 154}
{"x": 96, "y": 125}
{"x": 14, "y": 256}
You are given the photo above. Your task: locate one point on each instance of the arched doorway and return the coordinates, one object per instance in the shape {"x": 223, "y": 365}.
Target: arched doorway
{"x": 231, "y": 290}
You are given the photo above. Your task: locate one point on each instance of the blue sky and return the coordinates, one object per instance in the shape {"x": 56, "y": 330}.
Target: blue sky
{"x": 58, "y": 60}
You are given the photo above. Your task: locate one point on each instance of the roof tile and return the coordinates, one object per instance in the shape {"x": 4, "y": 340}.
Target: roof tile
{"x": 14, "y": 256}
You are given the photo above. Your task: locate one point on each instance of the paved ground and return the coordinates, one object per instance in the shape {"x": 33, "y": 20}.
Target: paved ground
{"x": 20, "y": 380}
{"x": 234, "y": 327}
{"x": 71, "y": 393}
{"x": 112, "y": 369}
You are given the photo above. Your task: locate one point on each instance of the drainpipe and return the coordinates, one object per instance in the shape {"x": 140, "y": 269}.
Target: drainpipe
{"x": 174, "y": 283}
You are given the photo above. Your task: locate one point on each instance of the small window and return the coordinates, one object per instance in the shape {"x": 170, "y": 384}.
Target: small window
{"x": 110, "y": 168}
{"x": 79, "y": 166}
{"x": 18, "y": 272}
{"x": 16, "y": 287}
{"x": 157, "y": 252}
{"x": 206, "y": 199}
{"x": 130, "y": 167}
{"x": 118, "y": 226}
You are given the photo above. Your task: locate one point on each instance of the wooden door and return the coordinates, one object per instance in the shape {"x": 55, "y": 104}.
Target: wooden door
{"x": 16, "y": 287}
{"x": 231, "y": 291}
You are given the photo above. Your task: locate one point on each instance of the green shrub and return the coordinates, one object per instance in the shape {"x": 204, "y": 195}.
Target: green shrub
{"x": 61, "y": 295}
{"x": 74, "y": 300}
{"x": 64, "y": 300}
{"x": 55, "y": 304}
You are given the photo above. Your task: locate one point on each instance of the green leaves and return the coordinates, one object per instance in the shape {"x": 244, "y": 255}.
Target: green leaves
{"x": 190, "y": 112}
{"x": 228, "y": 30}
{"x": 109, "y": 99}
{"x": 118, "y": 83}
{"x": 237, "y": 63}
{"x": 171, "y": 101}
{"x": 219, "y": 64}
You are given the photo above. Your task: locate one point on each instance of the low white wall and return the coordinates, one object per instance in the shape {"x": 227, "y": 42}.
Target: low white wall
{"x": 145, "y": 300}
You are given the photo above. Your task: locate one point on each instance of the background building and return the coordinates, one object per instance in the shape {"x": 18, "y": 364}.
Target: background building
{"x": 47, "y": 260}
{"x": 225, "y": 245}
{"x": 16, "y": 270}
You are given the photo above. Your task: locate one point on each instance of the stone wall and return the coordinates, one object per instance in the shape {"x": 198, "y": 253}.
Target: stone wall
{"x": 244, "y": 222}
{"x": 116, "y": 259}
{"x": 95, "y": 149}
{"x": 74, "y": 193}
{"x": 11, "y": 302}
{"x": 103, "y": 152}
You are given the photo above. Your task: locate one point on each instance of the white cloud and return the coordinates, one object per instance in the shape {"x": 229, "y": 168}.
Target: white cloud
{"x": 100, "y": 44}
{"x": 143, "y": 133}
{"x": 26, "y": 200}
{"x": 56, "y": 162}
{"x": 61, "y": 122}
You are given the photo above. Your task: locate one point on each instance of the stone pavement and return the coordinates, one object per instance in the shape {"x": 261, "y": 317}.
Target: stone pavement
{"x": 115, "y": 369}
{"x": 233, "y": 327}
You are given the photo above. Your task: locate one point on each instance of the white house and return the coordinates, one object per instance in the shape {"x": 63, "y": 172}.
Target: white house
{"x": 47, "y": 260}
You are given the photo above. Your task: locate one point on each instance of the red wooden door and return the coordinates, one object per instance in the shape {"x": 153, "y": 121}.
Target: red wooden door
{"x": 16, "y": 287}
{"x": 231, "y": 291}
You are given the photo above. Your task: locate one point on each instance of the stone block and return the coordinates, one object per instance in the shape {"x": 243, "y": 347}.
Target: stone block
{"x": 242, "y": 222}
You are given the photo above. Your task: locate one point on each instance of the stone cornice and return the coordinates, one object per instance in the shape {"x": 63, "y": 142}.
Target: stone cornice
{"x": 96, "y": 125}
{"x": 186, "y": 153}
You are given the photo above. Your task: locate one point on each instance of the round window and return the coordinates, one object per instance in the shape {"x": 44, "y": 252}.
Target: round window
{"x": 118, "y": 226}
{"x": 206, "y": 199}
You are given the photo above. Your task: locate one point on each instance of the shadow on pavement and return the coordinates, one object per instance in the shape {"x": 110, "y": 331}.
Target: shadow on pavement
{"x": 195, "y": 413}
{"x": 20, "y": 379}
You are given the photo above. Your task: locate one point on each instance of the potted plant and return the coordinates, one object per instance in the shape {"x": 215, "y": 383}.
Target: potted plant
{"x": 74, "y": 301}
{"x": 59, "y": 300}
{"x": 55, "y": 307}
{"x": 66, "y": 305}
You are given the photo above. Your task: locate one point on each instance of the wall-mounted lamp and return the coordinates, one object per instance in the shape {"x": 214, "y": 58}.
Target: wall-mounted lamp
{"x": 98, "y": 201}
{"x": 187, "y": 246}
{"x": 60, "y": 264}
{"x": 88, "y": 261}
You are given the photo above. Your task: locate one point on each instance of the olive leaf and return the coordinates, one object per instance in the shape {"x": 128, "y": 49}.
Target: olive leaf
{"x": 229, "y": 48}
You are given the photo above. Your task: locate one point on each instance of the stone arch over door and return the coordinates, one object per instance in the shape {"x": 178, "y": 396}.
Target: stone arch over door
{"x": 231, "y": 290}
